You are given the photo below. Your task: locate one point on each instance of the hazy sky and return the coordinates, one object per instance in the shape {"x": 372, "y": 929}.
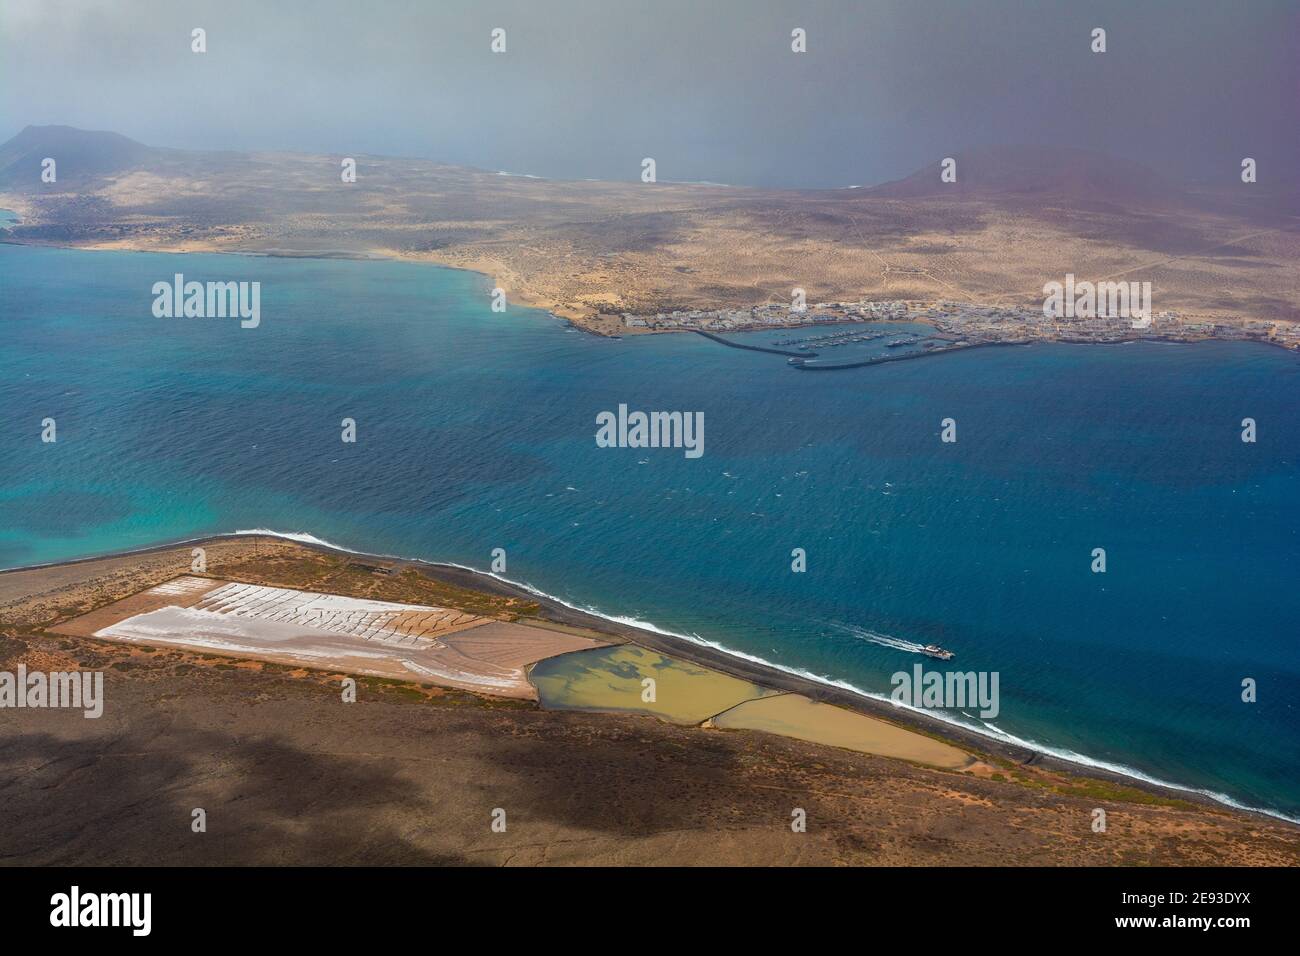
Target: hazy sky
{"x": 709, "y": 88}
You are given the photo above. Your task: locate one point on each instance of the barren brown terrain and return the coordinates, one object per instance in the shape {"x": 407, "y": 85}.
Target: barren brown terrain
{"x": 589, "y": 251}
{"x": 411, "y": 773}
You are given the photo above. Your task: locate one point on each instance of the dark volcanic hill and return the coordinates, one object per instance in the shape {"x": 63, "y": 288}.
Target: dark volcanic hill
{"x": 82, "y": 156}
{"x": 1015, "y": 218}
{"x": 1039, "y": 172}
{"x": 1022, "y": 177}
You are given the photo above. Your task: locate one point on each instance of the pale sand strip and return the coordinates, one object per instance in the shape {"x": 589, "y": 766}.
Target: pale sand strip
{"x": 793, "y": 715}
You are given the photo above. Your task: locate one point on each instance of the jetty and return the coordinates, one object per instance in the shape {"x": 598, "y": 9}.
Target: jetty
{"x": 901, "y": 357}
{"x": 754, "y": 348}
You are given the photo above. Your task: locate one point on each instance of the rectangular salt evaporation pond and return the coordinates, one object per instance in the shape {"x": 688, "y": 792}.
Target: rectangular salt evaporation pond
{"x": 419, "y": 643}
{"x": 612, "y": 679}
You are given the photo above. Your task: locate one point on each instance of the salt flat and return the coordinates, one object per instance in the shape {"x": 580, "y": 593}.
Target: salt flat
{"x": 355, "y": 635}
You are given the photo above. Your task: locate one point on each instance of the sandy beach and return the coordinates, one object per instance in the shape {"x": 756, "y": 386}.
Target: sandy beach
{"x": 450, "y": 648}
{"x": 785, "y": 742}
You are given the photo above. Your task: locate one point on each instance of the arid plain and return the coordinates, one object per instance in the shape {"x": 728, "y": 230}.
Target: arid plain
{"x": 290, "y": 774}
{"x": 1017, "y": 217}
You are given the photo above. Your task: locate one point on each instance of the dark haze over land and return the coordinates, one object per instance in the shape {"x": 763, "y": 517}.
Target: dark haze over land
{"x": 712, "y": 91}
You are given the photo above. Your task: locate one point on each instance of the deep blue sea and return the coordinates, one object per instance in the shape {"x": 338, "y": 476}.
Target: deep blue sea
{"x": 476, "y": 431}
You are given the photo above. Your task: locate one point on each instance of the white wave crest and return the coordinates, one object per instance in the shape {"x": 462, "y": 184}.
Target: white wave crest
{"x": 884, "y": 640}
{"x": 983, "y": 728}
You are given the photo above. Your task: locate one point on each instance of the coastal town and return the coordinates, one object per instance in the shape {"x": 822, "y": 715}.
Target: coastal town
{"x": 966, "y": 324}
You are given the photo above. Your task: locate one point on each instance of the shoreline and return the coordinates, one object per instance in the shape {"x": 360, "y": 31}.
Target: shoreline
{"x": 821, "y": 688}
{"x": 735, "y": 664}
{"x": 587, "y": 322}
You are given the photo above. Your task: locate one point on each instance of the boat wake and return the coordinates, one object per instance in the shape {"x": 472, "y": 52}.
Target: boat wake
{"x": 884, "y": 640}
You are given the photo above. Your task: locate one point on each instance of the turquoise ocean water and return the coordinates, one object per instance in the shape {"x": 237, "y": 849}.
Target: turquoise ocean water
{"x": 476, "y": 431}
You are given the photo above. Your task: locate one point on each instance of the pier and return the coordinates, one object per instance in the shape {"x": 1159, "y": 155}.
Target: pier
{"x": 882, "y": 359}
{"x": 754, "y": 348}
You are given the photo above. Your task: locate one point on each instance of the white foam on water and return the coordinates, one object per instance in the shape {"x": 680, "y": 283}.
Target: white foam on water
{"x": 884, "y": 640}
{"x": 987, "y": 730}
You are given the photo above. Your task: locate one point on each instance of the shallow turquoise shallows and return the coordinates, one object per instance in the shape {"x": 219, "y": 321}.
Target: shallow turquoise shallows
{"x": 476, "y": 431}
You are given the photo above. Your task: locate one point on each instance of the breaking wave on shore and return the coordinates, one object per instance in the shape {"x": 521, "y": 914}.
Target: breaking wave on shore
{"x": 981, "y": 728}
